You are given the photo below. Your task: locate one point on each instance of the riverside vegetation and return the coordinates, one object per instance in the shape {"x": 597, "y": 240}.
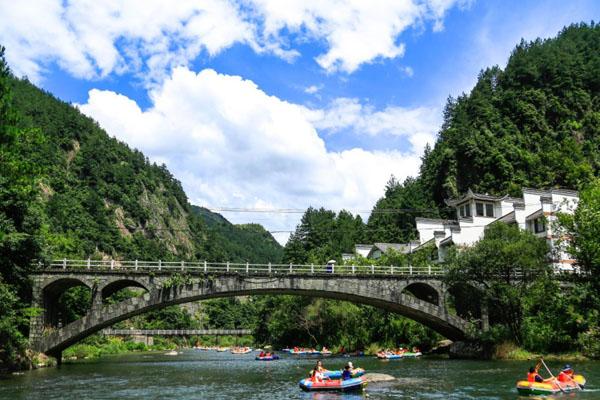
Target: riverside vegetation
{"x": 69, "y": 190}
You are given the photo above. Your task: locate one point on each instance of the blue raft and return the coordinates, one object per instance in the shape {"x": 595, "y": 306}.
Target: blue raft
{"x": 356, "y": 372}
{"x": 265, "y": 358}
{"x": 333, "y": 385}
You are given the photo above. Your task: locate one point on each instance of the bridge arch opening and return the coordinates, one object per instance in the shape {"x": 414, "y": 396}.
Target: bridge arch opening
{"x": 423, "y": 291}
{"x": 122, "y": 289}
{"x": 463, "y": 301}
{"x": 65, "y": 300}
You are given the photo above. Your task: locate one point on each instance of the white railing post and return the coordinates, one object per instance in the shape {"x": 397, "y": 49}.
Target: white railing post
{"x": 372, "y": 269}
{"x": 290, "y": 268}
{"x": 312, "y": 268}
{"x": 429, "y": 269}
{"x": 136, "y": 265}
{"x": 227, "y": 266}
{"x": 333, "y": 268}
{"x": 112, "y": 264}
{"x": 410, "y": 269}
{"x": 159, "y": 265}
{"x": 89, "y": 263}
{"x": 64, "y": 263}
{"x": 205, "y": 266}
{"x": 269, "y": 268}
{"x": 353, "y": 268}
{"x": 247, "y": 267}
{"x": 183, "y": 265}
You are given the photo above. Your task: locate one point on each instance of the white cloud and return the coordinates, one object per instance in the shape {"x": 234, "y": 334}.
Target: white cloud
{"x": 232, "y": 145}
{"x": 356, "y": 31}
{"x": 408, "y": 71}
{"x": 312, "y": 89}
{"x": 91, "y": 39}
{"x": 419, "y": 125}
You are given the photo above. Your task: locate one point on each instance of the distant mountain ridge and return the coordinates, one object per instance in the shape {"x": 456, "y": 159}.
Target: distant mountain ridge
{"x": 244, "y": 242}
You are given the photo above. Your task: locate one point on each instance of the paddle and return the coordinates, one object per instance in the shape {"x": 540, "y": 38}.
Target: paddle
{"x": 550, "y": 372}
{"x": 575, "y": 382}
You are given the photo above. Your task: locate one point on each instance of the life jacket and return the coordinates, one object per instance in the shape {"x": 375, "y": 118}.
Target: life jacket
{"x": 563, "y": 377}
{"x": 531, "y": 376}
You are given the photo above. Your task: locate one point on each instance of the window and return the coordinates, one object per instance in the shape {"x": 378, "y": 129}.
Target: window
{"x": 539, "y": 226}
{"x": 484, "y": 209}
{"x": 464, "y": 210}
{"x": 479, "y": 209}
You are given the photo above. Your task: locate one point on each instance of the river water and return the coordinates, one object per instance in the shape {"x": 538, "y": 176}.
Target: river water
{"x": 210, "y": 375}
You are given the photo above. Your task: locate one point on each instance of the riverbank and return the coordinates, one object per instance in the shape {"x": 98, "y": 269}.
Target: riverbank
{"x": 508, "y": 351}
{"x": 98, "y": 346}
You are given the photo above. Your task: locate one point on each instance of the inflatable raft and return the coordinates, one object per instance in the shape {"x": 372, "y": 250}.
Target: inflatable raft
{"x": 267, "y": 358}
{"x": 389, "y": 356}
{"x": 526, "y": 388}
{"x": 241, "y": 351}
{"x": 333, "y": 385}
{"x": 356, "y": 372}
{"x": 409, "y": 354}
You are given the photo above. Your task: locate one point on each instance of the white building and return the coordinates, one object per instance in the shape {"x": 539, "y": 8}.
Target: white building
{"x": 535, "y": 211}
{"x": 376, "y": 250}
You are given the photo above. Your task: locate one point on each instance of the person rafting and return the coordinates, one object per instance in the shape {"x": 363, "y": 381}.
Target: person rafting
{"x": 533, "y": 375}
{"x": 566, "y": 374}
{"x": 347, "y": 373}
{"x": 317, "y": 373}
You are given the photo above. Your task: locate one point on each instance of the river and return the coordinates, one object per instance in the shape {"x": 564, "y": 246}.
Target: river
{"x": 210, "y": 375}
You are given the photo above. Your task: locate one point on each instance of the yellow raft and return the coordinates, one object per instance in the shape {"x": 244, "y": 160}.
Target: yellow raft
{"x": 526, "y": 388}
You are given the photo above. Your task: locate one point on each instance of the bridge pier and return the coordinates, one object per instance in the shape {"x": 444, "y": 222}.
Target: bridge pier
{"x": 36, "y": 323}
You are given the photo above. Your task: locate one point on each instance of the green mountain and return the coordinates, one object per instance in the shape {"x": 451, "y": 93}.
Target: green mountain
{"x": 241, "y": 243}
{"x": 535, "y": 123}
{"x": 101, "y": 198}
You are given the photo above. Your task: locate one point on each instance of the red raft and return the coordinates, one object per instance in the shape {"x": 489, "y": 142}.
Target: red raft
{"x": 333, "y": 385}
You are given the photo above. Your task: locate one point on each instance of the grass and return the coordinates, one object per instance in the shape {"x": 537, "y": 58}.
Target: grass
{"x": 510, "y": 351}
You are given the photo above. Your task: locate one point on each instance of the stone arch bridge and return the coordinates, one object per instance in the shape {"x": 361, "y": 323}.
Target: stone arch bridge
{"x": 417, "y": 293}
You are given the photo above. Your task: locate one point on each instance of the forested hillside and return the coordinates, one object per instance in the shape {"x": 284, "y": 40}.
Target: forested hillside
{"x": 535, "y": 123}
{"x": 67, "y": 189}
{"x": 238, "y": 243}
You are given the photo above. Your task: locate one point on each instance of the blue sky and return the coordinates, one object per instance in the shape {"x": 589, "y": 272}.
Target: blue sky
{"x": 270, "y": 103}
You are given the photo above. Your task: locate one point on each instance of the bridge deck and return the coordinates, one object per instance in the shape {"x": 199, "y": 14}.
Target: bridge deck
{"x": 432, "y": 269}
{"x": 176, "y": 332}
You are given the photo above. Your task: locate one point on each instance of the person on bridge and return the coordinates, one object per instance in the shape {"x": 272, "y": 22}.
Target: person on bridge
{"x": 533, "y": 375}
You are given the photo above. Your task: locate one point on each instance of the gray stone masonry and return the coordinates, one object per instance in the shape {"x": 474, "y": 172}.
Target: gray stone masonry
{"x": 383, "y": 291}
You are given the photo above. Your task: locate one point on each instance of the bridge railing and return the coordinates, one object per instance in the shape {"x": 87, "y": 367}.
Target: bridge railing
{"x": 176, "y": 332}
{"x": 241, "y": 268}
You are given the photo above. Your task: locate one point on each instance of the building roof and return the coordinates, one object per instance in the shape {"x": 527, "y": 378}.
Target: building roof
{"x": 507, "y": 218}
{"x": 549, "y": 192}
{"x": 363, "y": 246}
{"x": 447, "y": 241}
{"x": 401, "y": 247}
{"x": 476, "y": 196}
{"x": 536, "y": 214}
{"x": 419, "y": 247}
